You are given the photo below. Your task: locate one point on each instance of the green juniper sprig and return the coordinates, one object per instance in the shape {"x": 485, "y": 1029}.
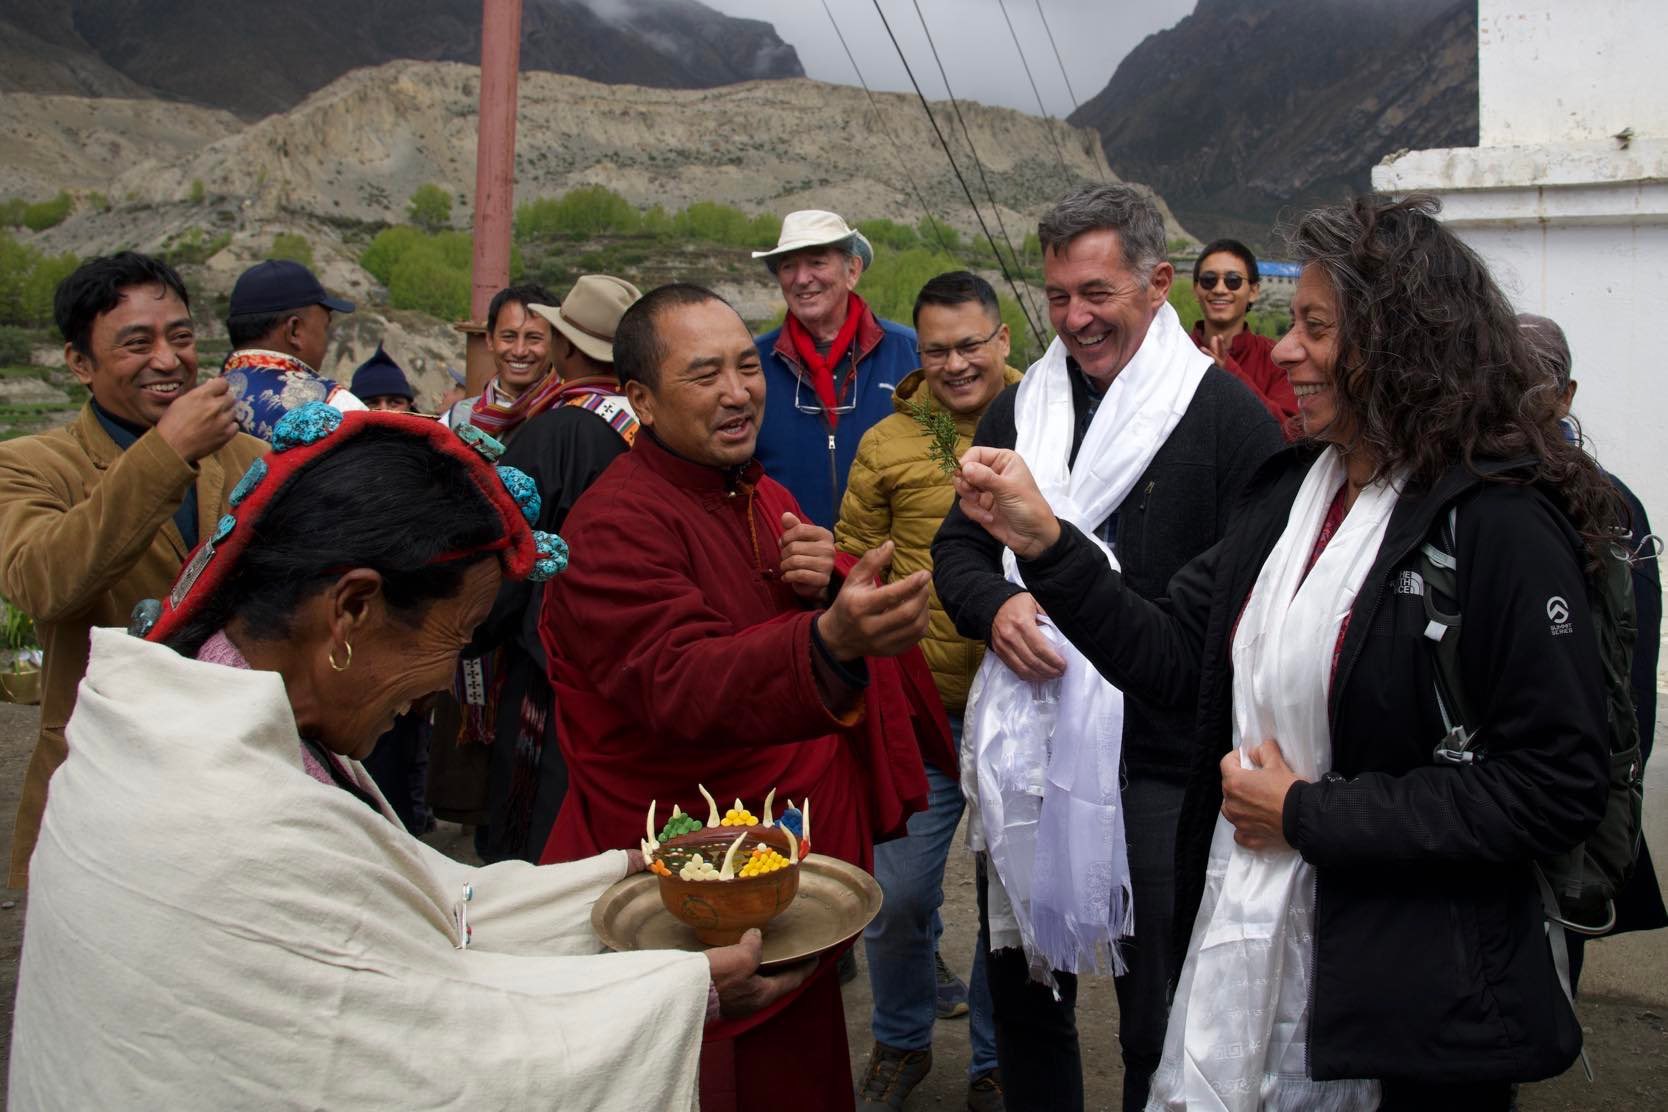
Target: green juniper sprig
{"x": 942, "y": 435}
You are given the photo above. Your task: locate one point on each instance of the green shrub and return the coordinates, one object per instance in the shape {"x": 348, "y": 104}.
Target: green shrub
{"x": 897, "y": 237}
{"x": 430, "y": 208}
{"x": 198, "y": 192}
{"x": 15, "y": 347}
{"x": 11, "y": 212}
{"x": 48, "y": 214}
{"x": 587, "y": 211}
{"x": 933, "y": 232}
{"x": 99, "y": 202}
{"x": 194, "y": 246}
{"x": 28, "y": 278}
{"x": 292, "y": 246}
{"x": 423, "y": 279}
{"x": 389, "y": 246}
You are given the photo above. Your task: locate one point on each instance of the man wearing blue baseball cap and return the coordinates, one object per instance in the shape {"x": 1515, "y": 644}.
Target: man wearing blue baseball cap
{"x": 279, "y": 325}
{"x": 381, "y": 384}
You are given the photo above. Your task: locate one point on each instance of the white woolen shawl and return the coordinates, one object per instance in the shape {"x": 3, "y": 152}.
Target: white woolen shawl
{"x": 1238, "y": 1031}
{"x": 1045, "y": 776}
{"x": 210, "y": 927}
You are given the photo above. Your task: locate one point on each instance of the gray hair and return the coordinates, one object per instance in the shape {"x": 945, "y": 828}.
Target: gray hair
{"x": 1124, "y": 209}
{"x": 1548, "y": 343}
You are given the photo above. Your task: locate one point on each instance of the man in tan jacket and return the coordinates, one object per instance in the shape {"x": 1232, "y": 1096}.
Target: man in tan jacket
{"x": 100, "y": 514}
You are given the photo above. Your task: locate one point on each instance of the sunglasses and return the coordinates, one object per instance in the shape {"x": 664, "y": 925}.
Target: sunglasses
{"x": 1207, "y": 280}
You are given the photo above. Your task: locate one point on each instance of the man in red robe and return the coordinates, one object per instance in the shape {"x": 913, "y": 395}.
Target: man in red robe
{"x": 702, "y": 635}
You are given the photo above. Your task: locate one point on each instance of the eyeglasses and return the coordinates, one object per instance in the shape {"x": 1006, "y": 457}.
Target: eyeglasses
{"x": 814, "y": 405}
{"x": 1232, "y": 280}
{"x": 967, "y": 349}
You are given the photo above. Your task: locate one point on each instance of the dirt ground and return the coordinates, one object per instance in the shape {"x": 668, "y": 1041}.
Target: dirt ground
{"x": 1624, "y": 1007}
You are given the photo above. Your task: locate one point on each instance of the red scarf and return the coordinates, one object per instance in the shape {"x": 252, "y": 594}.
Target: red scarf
{"x": 821, "y": 366}
{"x": 499, "y": 416}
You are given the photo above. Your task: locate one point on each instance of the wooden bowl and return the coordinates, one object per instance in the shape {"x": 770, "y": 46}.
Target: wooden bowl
{"x": 721, "y": 911}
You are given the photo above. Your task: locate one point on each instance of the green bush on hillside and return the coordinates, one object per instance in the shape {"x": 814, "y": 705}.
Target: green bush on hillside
{"x": 28, "y": 278}
{"x": 891, "y": 284}
{"x": 198, "y": 191}
{"x": 15, "y": 347}
{"x": 194, "y": 246}
{"x": 588, "y": 210}
{"x": 892, "y": 236}
{"x": 292, "y": 246}
{"x": 48, "y": 214}
{"x": 11, "y": 212}
{"x": 428, "y": 273}
{"x": 430, "y": 208}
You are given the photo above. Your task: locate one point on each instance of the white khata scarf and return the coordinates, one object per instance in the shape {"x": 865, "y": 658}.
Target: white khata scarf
{"x": 1237, "y": 1038}
{"x": 1041, "y": 770}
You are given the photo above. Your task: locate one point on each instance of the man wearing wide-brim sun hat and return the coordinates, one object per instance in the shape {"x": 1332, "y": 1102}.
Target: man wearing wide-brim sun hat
{"x": 831, "y": 367}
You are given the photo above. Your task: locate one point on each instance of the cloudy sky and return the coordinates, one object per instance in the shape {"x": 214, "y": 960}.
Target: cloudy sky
{"x": 973, "y": 41}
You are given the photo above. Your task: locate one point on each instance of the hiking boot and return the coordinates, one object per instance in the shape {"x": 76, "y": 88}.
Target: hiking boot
{"x": 952, "y": 994}
{"x": 890, "y": 1076}
{"x": 984, "y": 1092}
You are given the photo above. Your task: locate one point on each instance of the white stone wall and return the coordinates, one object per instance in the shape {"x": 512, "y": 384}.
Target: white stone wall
{"x": 1567, "y": 200}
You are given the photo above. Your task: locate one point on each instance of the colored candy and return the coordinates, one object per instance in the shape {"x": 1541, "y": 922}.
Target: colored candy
{"x": 679, "y": 824}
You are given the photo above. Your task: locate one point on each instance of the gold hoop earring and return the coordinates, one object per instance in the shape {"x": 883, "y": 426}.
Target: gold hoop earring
{"x": 342, "y": 667}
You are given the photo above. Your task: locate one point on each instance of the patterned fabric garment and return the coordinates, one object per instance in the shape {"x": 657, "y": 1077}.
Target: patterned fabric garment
{"x": 266, "y": 385}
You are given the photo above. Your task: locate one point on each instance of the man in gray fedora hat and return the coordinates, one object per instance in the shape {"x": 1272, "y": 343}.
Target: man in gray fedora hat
{"x": 586, "y": 425}
{"x": 831, "y": 367}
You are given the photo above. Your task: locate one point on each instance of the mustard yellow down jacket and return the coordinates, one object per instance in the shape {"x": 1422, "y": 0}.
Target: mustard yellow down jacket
{"x": 896, "y": 492}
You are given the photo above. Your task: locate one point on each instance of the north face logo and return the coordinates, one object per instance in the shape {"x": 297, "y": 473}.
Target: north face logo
{"x": 1558, "y": 613}
{"x": 1410, "y": 582}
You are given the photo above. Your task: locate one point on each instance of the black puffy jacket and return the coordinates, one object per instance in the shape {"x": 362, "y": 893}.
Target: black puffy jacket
{"x": 1431, "y": 955}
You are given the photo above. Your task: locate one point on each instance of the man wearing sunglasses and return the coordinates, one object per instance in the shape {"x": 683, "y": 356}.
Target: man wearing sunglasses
{"x": 1225, "y": 281}
{"x": 831, "y": 368}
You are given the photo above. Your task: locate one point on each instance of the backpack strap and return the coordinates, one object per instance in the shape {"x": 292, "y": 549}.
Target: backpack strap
{"x": 1439, "y": 576}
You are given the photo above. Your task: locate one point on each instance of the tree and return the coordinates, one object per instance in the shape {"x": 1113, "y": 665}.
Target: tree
{"x": 292, "y": 246}
{"x": 430, "y": 208}
{"x": 48, "y": 214}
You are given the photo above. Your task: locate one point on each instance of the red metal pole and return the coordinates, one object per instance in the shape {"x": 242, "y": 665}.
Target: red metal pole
{"x": 494, "y": 174}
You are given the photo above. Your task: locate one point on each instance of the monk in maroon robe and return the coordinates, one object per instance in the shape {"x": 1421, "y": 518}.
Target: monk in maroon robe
{"x": 702, "y": 634}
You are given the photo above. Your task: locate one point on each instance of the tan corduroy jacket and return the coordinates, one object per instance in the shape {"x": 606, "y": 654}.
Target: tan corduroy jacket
{"x": 86, "y": 531}
{"x": 896, "y": 492}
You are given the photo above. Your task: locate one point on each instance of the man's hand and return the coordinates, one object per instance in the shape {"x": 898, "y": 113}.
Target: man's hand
{"x": 1219, "y": 346}
{"x": 869, "y": 620}
{"x": 807, "y": 558}
{"x": 199, "y": 422}
{"x": 742, "y": 989}
{"x": 997, "y": 491}
{"x": 1018, "y": 641}
{"x": 1254, "y": 799}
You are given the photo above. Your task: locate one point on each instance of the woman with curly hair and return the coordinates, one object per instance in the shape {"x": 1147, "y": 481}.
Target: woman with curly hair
{"x": 1369, "y": 929}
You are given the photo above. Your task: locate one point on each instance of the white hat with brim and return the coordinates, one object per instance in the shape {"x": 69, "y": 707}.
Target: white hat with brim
{"x": 591, "y": 312}
{"x": 815, "y": 228}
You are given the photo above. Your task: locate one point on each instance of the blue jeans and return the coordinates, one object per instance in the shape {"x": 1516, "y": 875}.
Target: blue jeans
{"x": 901, "y": 941}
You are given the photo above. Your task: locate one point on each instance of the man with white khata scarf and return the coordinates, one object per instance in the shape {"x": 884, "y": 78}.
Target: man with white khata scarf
{"x": 1074, "y": 790}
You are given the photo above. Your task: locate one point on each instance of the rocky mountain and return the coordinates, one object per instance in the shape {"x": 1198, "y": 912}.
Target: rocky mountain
{"x": 1248, "y": 109}
{"x": 356, "y": 150}
{"x": 254, "y": 58}
{"x": 347, "y": 159}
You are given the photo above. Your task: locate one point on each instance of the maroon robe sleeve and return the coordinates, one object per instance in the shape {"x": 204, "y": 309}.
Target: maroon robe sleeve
{"x": 647, "y": 636}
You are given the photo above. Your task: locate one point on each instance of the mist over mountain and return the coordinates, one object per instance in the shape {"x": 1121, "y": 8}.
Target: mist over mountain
{"x": 1248, "y": 109}
{"x": 254, "y": 59}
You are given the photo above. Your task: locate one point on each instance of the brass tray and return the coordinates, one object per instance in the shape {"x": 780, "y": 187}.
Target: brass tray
{"x": 836, "y": 900}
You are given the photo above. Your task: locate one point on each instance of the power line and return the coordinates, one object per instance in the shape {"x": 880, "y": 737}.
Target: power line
{"x": 1048, "y": 121}
{"x": 1031, "y": 305}
{"x": 942, "y": 142}
{"x": 903, "y": 163}
{"x": 1075, "y": 103}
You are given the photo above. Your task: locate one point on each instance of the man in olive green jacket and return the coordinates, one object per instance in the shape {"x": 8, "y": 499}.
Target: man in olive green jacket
{"x": 898, "y": 491}
{"x": 100, "y": 514}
